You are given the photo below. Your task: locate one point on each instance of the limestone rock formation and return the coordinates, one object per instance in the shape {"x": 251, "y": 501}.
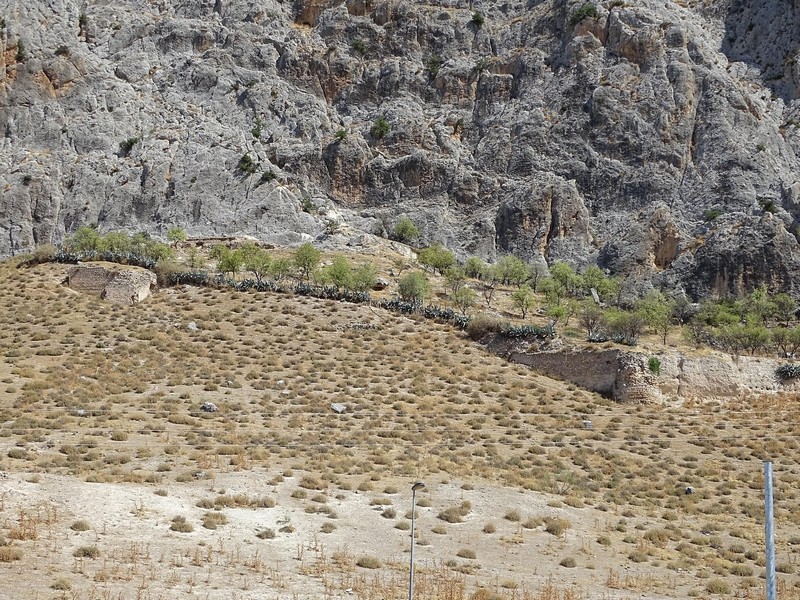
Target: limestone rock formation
{"x": 656, "y": 138}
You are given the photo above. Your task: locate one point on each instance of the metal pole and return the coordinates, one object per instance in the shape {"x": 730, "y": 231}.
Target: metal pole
{"x": 769, "y": 528}
{"x": 417, "y": 486}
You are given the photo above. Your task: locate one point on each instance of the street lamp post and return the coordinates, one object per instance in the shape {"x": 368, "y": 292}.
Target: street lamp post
{"x": 417, "y": 486}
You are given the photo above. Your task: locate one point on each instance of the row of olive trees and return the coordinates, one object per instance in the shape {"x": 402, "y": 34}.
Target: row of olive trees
{"x": 87, "y": 239}
{"x": 751, "y": 338}
{"x": 653, "y": 313}
{"x": 304, "y": 263}
{"x": 562, "y": 288}
{"x": 755, "y": 322}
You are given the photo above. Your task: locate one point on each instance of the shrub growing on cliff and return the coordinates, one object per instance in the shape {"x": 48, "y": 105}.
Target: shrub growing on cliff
{"x": 380, "y": 128}
{"x": 359, "y": 46}
{"x": 246, "y": 164}
{"x": 307, "y": 205}
{"x": 405, "y": 231}
{"x": 654, "y": 364}
{"x": 266, "y": 177}
{"x": 126, "y": 146}
{"x": 587, "y": 10}
{"x": 432, "y": 65}
{"x": 258, "y": 127}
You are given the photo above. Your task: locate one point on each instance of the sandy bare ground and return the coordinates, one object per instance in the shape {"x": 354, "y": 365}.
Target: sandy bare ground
{"x": 140, "y": 557}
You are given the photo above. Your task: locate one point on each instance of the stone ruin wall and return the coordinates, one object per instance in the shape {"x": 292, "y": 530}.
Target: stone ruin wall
{"x": 626, "y": 377}
{"x": 620, "y": 375}
{"x": 91, "y": 279}
{"x": 116, "y": 283}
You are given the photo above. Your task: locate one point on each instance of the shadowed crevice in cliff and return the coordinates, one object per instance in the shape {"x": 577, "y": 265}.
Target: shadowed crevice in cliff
{"x": 765, "y": 34}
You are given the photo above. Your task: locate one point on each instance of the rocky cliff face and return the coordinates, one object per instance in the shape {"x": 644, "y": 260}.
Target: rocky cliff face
{"x": 658, "y": 139}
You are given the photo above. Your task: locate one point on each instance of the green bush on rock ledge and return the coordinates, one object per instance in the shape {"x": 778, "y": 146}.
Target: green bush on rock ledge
{"x": 587, "y": 10}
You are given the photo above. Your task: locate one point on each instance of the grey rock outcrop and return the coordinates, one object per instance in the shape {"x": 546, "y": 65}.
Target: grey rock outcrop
{"x": 613, "y": 139}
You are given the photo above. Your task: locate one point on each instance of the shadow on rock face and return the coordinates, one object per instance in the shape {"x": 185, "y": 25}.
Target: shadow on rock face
{"x": 765, "y": 34}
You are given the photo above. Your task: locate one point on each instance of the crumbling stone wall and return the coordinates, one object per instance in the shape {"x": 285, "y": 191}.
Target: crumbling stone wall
{"x": 626, "y": 377}
{"x": 595, "y": 371}
{"x": 633, "y": 381}
{"x": 88, "y": 278}
{"x": 115, "y": 283}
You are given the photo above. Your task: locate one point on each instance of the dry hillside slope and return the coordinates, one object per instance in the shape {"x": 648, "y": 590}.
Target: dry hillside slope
{"x": 115, "y": 484}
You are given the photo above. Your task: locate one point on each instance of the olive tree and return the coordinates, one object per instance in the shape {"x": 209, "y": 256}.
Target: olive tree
{"x": 175, "y": 235}
{"x": 363, "y": 277}
{"x": 256, "y": 260}
{"x": 513, "y": 270}
{"x": 413, "y": 287}
{"x": 464, "y": 298}
{"x": 437, "y": 257}
{"x": 306, "y": 258}
{"x": 657, "y": 311}
{"x": 339, "y": 273}
{"x": 523, "y": 299}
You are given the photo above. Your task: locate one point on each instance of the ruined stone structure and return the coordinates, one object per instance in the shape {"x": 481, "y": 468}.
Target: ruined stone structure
{"x": 625, "y": 376}
{"x": 112, "y": 282}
